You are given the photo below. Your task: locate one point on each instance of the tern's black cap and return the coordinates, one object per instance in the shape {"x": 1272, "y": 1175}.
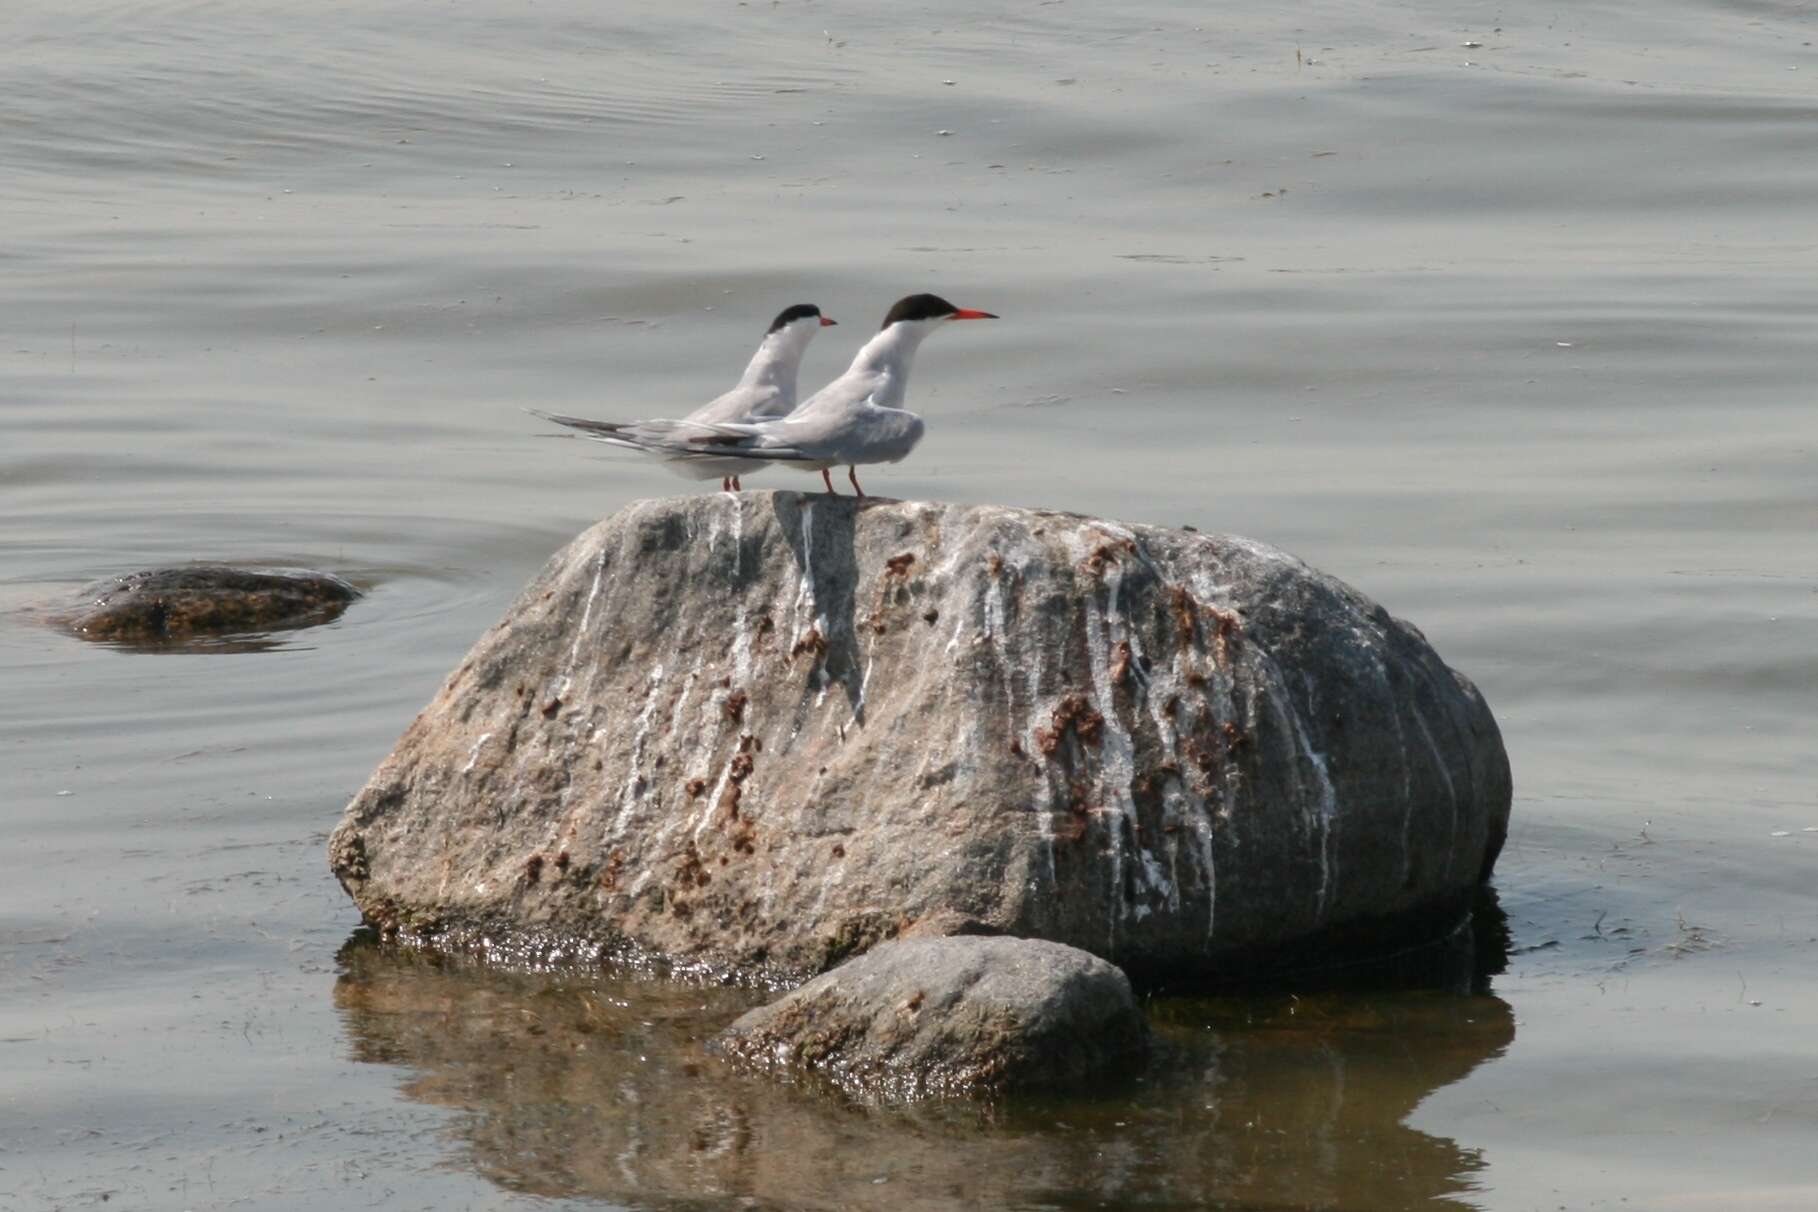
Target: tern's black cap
{"x": 919, "y": 307}
{"x": 931, "y": 307}
{"x": 789, "y": 315}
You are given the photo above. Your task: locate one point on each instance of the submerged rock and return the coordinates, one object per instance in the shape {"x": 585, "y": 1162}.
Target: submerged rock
{"x": 764, "y": 732}
{"x": 950, "y": 1016}
{"x": 204, "y": 599}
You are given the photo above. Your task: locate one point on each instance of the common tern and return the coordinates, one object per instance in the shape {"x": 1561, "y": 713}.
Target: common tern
{"x": 766, "y": 390}
{"x": 855, "y": 419}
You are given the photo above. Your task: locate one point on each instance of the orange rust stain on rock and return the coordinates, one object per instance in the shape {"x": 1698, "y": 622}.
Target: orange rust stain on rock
{"x": 1105, "y": 555}
{"x": 1224, "y": 636}
{"x": 1074, "y": 712}
{"x": 689, "y": 872}
{"x": 1184, "y": 609}
{"x": 1121, "y": 656}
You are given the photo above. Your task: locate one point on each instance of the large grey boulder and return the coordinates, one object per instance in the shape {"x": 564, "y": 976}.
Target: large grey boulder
{"x": 763, "y": 732}
{"x": 914, "y": 1018}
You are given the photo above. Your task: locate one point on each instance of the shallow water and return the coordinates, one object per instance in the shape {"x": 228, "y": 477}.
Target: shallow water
{"x": 1515, "y": 337}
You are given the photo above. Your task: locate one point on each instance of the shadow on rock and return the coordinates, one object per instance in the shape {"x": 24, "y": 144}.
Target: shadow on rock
{"x": 822, "y": 543}
{"x": 1462, "y": 962}
{"x": 600, "y": 1086}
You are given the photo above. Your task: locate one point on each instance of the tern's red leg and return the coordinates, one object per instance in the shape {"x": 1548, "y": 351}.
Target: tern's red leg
{"x": 736, "y": 486}
{"x": 725, "y": 483}
{"x": 828, "y": 481}
{"x": 852, "y": 474}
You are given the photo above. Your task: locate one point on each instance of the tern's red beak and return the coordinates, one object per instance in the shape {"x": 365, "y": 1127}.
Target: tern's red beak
{"x": 966, "y": 313}
{"x": 828, "y": 321}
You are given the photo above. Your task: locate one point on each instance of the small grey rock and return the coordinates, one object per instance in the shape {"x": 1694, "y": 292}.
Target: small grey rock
{"x": 163, "y": 604}
{"x": 950, "y": 1016}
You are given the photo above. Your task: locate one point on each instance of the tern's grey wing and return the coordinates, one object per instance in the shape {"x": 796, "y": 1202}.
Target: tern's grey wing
{"x": 738, "y": 404}
{"x": 860, "y": 433}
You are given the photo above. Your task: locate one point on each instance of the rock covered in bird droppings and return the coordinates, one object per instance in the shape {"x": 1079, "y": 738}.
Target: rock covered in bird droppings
{"x": 761, "y": 733}
{"x": 919, "y": 1018}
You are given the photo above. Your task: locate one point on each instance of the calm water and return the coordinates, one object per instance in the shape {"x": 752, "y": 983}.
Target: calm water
{"x": 1517, "y": 336}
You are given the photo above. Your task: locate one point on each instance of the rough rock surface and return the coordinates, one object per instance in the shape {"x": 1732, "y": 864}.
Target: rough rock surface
{"x": 763, "y": 732}
{"x": 919, "y": 1017}
{"x": 204, "y": 599}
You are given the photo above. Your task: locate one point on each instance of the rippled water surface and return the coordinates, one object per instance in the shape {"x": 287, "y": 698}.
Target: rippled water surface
{"x": 1503, "y": 313}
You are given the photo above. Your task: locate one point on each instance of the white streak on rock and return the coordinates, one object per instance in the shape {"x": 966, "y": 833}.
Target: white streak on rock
{"x": 858, "y": 704}
{"x": 580, "y": 632}
{"x": 1407, "y": 767}
{"x": 628, "y": 794}
{"x": 991, "y": 619}
{"x": 1328, "y": 816}
{"x": 1445, "y": 773}
{"x": 1323, "y": 803}
{"x": 1013, "y": 657}
{"x": 1180, "y": 802}
{"x": 711, "y": 803}
{"x": 1116, "y": 749}
{"x": 473, "y": 755}
{"x": 804, "y": 591}
{"x": 741, "y": 625}
{"x": 958, "y": 626}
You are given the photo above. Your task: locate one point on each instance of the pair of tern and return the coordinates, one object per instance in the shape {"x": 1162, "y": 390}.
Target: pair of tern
{"x": 857, "y": 418}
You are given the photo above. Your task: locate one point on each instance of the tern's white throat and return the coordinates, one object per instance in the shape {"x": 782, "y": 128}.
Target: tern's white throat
{"x": 779, "y": 356}
{"x": 889, "y": 354}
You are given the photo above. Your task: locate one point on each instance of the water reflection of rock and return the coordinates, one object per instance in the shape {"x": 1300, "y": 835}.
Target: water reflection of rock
{"x": 600, "y": 1086}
